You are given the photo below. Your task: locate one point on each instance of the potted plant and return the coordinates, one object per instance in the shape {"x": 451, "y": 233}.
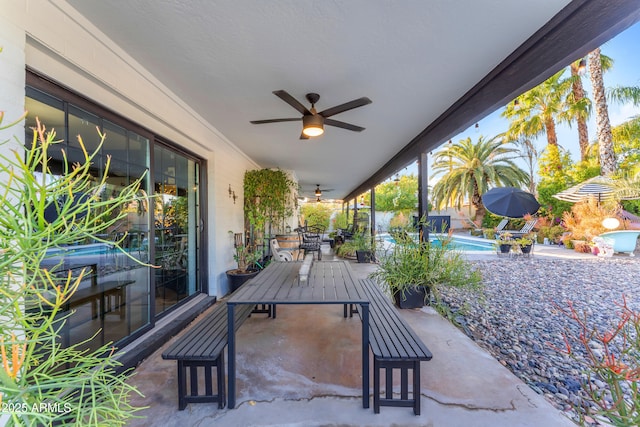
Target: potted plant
{"x": 364, "y": 247}
{"x": 411, "y": 270}
{"x": 525, "y": 243}
{"x": 504, "y": 242}
{"x": 247, "y": 260}
{"x": 405, "y": 273}
{"x": 347, "y": 249}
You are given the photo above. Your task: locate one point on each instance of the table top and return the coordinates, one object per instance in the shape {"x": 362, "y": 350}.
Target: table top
{"x": 330, "y": 282}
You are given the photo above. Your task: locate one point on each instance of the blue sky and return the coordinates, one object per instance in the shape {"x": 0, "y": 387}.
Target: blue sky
{"x": 624, "y": 51}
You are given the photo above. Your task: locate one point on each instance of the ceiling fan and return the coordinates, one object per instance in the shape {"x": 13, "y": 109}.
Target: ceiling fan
{"x": 312, "y": 121}
{"x": 318, "y": 191}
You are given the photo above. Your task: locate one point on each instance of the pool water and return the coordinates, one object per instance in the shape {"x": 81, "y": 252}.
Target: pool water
{"x": 465, "y": 244}
{"x": 458, "y": 243}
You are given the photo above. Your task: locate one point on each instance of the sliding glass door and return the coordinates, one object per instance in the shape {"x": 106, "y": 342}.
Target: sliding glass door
{"x": 176, "y": 225}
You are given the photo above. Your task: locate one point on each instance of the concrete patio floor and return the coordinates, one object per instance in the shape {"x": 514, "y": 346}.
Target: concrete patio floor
{"x": 303, "y": 369}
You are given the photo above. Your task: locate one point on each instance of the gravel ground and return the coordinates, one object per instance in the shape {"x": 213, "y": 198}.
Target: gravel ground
{"x": 518, "y": 318}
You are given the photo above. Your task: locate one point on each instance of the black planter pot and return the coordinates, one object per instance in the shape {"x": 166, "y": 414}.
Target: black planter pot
{"x": 504, "y": 249}
{"x": 414, "y": 297}
{"x": 236, "y": 278}
{"x": 526, "y": 249}
{"x": 364, "y": 256}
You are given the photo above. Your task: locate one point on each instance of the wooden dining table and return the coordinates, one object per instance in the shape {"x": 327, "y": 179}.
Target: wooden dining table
{"x": 329, "y": 282}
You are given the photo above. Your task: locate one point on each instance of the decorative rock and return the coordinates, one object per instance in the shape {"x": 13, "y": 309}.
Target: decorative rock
{"x": 522, "y": 324}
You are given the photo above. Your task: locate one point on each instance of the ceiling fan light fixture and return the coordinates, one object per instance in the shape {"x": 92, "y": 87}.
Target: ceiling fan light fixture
{"x": 313, "y": 125}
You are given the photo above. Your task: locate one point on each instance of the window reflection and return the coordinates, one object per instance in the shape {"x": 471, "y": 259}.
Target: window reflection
{"x": 113, "y": 299}
{"x": 176, "y": 228}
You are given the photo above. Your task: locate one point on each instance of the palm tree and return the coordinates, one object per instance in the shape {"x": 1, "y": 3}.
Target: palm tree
{"x": 468, "y": 170}
{"x": 529, "y": 153}
{"x": 603, "y": 125}
{"x": 627, "y": 144}
{"x": 536, "y": 111}
{"x": 580, "y": 107}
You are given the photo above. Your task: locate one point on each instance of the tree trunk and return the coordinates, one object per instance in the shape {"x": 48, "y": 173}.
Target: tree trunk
{"x": 550, "y": 128}
{"x": 578, "y": 95}
{"x": 605, "y": 139}
{"x": 476, "y": 201}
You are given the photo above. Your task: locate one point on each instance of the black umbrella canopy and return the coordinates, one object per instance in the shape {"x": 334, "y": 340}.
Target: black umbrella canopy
{"x": 510, "y": 202}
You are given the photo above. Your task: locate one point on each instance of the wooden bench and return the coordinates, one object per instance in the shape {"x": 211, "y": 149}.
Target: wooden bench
{"x": 394, "y": 346}
{"x": 202, "y": 347}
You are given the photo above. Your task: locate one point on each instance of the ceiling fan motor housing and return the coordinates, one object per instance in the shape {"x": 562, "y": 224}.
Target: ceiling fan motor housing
{"x": 312, "y": 98}
{"x": 314, "y": 120}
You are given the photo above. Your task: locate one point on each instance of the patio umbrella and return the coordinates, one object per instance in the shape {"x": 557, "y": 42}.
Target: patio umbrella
{"x": 599, "y": 187}
{"x": 510, "y": 202}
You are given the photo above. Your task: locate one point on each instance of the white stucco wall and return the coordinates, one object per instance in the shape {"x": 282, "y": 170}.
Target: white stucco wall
{"x": 53, "y": 39}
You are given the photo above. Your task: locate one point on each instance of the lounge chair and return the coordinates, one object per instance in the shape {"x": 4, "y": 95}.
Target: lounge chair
{"x": 631, "y": 221}
{"x": 624, "y": 241}
{"x": 526, "y": 229}
{"x": 502, "y": 224}
{"x": 472, "y": 226}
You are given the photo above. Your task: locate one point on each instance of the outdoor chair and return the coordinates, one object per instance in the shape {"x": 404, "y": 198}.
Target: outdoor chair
{"x": 526, "y": 229}
{"x": 278, "y": 253}
{"x": 310, "y": 240}
{"x": 346, "y": 233}
{"x": 472, "y": 226}
{"x": 500, "y": 227}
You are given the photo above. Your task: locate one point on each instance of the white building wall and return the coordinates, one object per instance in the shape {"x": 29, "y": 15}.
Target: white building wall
{"x": 51, "y": 38}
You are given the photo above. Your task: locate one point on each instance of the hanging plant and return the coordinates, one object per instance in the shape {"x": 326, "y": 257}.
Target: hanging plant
{"x": 269, "y": 198}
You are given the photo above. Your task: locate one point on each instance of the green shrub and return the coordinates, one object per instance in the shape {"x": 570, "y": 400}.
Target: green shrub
{"x": 347, "y": 249}
{"x": 316, "y": 214}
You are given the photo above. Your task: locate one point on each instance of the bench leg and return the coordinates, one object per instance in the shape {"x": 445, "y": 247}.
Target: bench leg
{"x": 182, "y": 385}
{"x": 208, "y": 396}
{"x": 222, "y": 397}
{"x": 376, "y": 386}
{"x": 404, "y": 400}
{"x": 416, "y": 387}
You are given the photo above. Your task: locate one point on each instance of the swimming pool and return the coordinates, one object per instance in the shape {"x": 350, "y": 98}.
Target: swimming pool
{"x": 466, "y": 244}
{"x": 458, "y": 243}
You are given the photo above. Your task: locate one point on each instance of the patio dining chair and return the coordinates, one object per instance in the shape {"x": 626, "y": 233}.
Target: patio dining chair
{"x": 310, "y": 239}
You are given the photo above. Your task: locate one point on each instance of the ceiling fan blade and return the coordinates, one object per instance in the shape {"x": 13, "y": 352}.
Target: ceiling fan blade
{"x": 260, "y": 122}
{"x": 343, "y": 125}
{"x": 345, "y": 107}
{"x": 284, "y": 95}
{"x": 303, "y": 136}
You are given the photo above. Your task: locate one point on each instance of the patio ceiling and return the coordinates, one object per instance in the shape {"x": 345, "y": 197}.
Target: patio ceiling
{"x": 430, "y": 68}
